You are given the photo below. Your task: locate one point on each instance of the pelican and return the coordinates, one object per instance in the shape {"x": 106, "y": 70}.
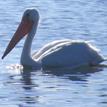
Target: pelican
{"x": 57, "y": 54}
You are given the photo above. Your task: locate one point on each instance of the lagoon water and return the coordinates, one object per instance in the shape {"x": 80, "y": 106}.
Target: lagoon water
{"x": 73, "y": 19}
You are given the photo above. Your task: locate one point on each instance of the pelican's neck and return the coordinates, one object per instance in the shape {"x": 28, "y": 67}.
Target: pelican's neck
{"x": 26, "y": 52}
{"x": 28, "y": 42}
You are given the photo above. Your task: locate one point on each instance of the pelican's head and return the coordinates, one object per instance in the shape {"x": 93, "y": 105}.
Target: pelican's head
{"x": 30, "y": 18}
{"x": 31, "y": 14}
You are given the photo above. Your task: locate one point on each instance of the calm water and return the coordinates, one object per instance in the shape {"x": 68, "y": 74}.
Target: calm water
{"x": 74, "y": 19}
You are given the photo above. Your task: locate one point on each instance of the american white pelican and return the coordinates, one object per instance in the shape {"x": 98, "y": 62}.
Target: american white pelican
{"x": 61, "y": 53}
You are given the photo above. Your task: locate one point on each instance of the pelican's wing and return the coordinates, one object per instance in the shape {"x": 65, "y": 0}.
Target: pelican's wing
{"x": 47, "y": 47}
{"x": 71, "y": 54}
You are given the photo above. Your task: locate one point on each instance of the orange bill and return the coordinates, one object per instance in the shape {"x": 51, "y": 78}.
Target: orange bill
{"x": 23, "y": 29}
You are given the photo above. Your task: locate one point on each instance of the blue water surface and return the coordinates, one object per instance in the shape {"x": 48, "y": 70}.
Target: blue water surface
{"x": 59, "y": 19}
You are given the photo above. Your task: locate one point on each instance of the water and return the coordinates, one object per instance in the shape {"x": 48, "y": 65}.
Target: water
{"x": 73, "y": 19}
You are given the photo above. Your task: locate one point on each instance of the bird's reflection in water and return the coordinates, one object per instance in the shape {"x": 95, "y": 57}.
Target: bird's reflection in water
{"x": 26, "y": 78}
{"x": 30, "y": 96}
{"x": 78, "y": 74}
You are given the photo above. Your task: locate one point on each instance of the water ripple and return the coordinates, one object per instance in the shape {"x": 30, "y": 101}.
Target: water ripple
{"x": 73, "y": 19}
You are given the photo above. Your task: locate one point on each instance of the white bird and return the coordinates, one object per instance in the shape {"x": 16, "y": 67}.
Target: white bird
{"x": 58, "y": 54}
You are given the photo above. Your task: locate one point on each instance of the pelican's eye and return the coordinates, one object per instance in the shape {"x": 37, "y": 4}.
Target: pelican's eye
{"x": 28, "y": 15}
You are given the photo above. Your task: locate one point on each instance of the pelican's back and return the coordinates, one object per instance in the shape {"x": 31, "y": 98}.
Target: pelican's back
{"x": 72, "y": 54}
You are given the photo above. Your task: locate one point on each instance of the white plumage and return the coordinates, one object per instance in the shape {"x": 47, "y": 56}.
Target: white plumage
{"x": 68, "y": 53}
{"x": 59, "y": 54}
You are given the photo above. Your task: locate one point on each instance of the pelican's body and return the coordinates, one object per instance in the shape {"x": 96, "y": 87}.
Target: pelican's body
{"x": 59, "y": 54}
{"x": 69, "y": 54}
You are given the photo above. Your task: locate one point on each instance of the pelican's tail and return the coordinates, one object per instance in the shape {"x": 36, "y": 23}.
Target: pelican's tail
{"x": 105, "y": 58}
{"x": 103, "y": 64}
